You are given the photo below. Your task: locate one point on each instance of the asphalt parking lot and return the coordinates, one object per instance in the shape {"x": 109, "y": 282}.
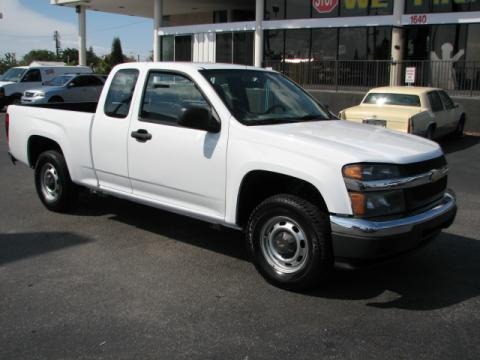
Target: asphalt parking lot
{"x": 116, "y": 280}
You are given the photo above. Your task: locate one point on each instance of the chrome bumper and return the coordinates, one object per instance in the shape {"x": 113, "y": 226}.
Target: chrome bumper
{"x": 361, "y": 238}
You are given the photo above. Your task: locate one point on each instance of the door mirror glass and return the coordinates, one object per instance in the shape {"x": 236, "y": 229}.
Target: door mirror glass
{"x": 200, "y": 118}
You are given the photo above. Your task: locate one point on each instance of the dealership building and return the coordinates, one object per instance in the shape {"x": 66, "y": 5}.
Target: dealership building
{"x": 341, "y": 45}
{"x": 256, "y": 31}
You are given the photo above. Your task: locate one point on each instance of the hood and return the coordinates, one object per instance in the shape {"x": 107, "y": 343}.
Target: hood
{"x": 3, "y": 83}
{"x": 346, "y": 142}
{"x": 46, "y": 89}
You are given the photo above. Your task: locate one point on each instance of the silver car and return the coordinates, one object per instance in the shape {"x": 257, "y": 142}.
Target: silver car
{"x": 66, "y": 88}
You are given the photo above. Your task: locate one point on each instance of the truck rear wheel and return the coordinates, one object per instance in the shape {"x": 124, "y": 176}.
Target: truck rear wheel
{"x": 53, "y": 183}
{"x": 289, "y": 241}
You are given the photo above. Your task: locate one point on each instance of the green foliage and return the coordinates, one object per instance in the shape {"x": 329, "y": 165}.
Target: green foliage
{"x": 9, "y": 60}
{"x": 39, "y": 55}
{"x": 116, "y": 56}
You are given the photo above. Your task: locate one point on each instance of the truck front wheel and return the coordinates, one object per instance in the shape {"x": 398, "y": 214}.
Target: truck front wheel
{"x": 53, "y": 183}
{"x": 289, "y": 241}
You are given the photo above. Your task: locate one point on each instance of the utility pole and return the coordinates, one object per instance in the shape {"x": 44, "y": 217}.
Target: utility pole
{"x": 56, "y": 37}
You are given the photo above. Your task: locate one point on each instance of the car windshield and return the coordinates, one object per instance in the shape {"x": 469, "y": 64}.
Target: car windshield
{"x": 262, "y": 97}
{"x": 59, "y": 80}
{"x": 392, "y": 99}
{"x": 13, "y": 75}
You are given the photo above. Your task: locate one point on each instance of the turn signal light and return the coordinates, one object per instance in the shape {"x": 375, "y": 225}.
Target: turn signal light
{"x": 358, "y": 203}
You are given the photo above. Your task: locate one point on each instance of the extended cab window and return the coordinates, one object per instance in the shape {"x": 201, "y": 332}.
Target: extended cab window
{"x": 165, "y": 96}
{"x": 32, "y": 76}
{"x": 120, "y": 93}
{"x": 435, "y": 101}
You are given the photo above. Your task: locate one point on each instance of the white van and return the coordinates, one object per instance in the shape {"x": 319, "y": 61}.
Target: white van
{"x": 16, "y": 80}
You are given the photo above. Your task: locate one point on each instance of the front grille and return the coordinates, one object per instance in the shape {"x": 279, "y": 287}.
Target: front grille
{"x": 423, "y": 195}
{"x": 424, "y": 166}
{"x": 29, "y": 94}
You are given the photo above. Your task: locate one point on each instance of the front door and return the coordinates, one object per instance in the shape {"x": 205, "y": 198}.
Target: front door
{"x": 179, "y": 167}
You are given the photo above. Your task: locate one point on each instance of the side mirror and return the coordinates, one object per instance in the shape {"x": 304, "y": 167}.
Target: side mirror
{"x": 200, "y": 118}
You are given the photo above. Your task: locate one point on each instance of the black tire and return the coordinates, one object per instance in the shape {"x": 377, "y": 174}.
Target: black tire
{"x": 16, "y": 99}
{"x": 458, "y": 133}
{"x": 55, "y": 99}
{"x": 301, "y": 220}
{"x": 53, "y": 183}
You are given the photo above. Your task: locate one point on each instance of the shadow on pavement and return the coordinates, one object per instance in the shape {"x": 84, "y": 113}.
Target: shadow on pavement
{"x": 177, "y": 227}
{"x": 18, "y": 246}
{"x": 450, "y": 144}
{"x": 444, "y": 273}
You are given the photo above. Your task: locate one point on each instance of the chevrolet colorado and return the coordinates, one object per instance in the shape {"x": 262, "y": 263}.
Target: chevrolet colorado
{"x": 244, "y": 148}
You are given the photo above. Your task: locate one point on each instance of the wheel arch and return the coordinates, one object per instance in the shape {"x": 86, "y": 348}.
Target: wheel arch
{"x": 38, "y": 144}
{"x": 258, "y": 185}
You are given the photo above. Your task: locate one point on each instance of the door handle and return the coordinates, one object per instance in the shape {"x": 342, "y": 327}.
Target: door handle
{"x": 141, "y": 135}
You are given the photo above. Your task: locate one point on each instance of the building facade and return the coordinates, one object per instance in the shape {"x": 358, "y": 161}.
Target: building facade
{"x": 281, "y": 33}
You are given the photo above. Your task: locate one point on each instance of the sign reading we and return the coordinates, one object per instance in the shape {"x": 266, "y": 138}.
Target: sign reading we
{"x": 327, "y": 6}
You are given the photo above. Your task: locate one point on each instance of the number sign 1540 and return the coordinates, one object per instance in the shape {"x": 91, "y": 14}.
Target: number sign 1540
{"x": 418, "y": 19}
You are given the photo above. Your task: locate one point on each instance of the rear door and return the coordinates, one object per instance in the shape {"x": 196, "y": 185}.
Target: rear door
{"x": 110, "y": 131}
{"x": 451, "y": 113}
{"x": 179, "y": 167}
{"x": 439, "y": 112}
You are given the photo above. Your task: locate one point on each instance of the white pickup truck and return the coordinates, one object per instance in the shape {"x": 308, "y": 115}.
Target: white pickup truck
{"x": 244, "y": 148}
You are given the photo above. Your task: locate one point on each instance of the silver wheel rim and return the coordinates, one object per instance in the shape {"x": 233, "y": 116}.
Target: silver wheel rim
{"x": 284, "y": 245}
{"x": 50, "y": 182}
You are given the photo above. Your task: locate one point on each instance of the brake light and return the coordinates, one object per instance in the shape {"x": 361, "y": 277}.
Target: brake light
{"x": 7, "y": 124}
{"x": 410, "y": 126}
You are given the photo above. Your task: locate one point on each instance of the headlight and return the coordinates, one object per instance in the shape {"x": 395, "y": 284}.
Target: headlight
{"x": 39, "y": 94}
{"x": 366, "y": 201}
{"x": 371, "y": 172}
{"x": 372, "y": 204}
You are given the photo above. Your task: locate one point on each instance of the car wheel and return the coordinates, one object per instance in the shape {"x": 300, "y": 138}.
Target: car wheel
{"x": 460, "y": 127}
{"x": 16, "y": 99}
{"x": 289, "y": 241}
{"x": 55, "y": 99}
{"x": 53, "y": 183}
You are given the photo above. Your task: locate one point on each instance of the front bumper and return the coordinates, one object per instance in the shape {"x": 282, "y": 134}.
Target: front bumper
{"x": 34, "y": 100}
{"x": 360, "y": 240}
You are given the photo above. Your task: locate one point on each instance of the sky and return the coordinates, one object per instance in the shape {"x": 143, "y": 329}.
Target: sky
{"x": 29, "y": 24}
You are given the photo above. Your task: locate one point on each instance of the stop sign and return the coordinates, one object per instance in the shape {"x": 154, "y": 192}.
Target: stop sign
{"x": 324, "y": 6}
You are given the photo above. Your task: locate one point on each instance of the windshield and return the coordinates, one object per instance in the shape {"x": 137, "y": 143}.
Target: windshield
{"x": 262, "y": 97}
{"x": 392, "y": 99}
{"x": 13, "y": 75}
{"x": 59, "y": 80}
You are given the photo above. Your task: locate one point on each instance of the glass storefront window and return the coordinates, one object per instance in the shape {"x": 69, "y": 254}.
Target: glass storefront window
{"x": 352, "y": 44}
{"x": 473, "y": 43}
{"x": 447, "y": 41}
{"x": 274, "y": 9}
{"x": 297, "y": 45}
{"x": 183, "y": 48}
{"x": 243, "y": 48}
{"x": 379, "y": 43}
{"x": 274, "y": 44}
{"x": 298, "y": 9}
{"x": 168, "y": 48}
{"x": 235, "y": 48}
{"x": 324, "y": 44}
{"x": 436, "y": 6}
{"x": 223, "y": 47}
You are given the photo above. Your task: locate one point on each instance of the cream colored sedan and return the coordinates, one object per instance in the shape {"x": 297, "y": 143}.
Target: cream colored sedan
{"x": 423, "y": 111}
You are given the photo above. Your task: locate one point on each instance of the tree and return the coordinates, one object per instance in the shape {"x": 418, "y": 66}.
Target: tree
{"x": 39, "y": 55}
{"x": 70, "y": 56}
{"x": 9, "y": 60}
{"x": 116, "y": 57}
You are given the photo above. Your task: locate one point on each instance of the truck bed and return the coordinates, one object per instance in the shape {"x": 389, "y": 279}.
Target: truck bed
{"x": 88, "y": 107}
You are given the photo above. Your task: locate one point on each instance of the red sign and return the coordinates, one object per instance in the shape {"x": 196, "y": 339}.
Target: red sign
{"x": 324, "y": 6}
